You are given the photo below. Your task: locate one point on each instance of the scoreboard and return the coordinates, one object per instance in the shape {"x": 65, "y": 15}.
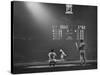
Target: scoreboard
{"x": 68, "y": 32}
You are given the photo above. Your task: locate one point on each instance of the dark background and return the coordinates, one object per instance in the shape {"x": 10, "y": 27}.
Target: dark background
{"x": 32, "y": 38}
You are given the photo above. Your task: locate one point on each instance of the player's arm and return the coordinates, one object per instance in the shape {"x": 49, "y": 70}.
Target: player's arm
{"x": 49, "y": 55}
{"x": 76, "y": 45}
{"x": 64, "y": 54}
